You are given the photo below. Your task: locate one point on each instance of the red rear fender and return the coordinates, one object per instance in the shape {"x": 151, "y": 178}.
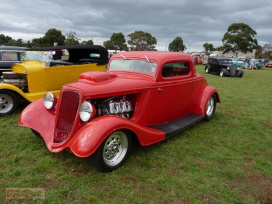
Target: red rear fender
{"x": 200, "y": 99}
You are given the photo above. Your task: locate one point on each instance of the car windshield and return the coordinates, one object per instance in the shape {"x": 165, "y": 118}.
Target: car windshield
{"x": 225, "y": 61}
{"x": 45, "y": 56}
{"x": 235, "y": 59}
{"x": 33, "y": 55}
{"x": 133, "y": 65}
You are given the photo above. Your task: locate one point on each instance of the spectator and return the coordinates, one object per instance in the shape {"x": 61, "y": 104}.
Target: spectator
{"x": 252, "y": 63}
{"x": 57, "y": 53}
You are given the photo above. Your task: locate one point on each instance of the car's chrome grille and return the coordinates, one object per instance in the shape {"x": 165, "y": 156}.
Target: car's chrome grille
{"x": 66, "y": 116}
{"x": 233, "y": 70}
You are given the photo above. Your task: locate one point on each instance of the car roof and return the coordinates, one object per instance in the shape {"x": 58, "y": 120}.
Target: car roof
{"x": 219, "y": 58}
{"x": 160, "y": 56}
{"x": 80, "y": 51}
{"x": 12, "y": 48}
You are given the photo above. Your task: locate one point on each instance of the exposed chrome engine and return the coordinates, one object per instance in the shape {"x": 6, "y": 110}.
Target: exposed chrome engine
{"x": 15, "y": 79}
{"x": 118, "y": 105}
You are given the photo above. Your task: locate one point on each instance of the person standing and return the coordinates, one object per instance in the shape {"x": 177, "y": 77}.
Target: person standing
{"x": 252, "y": 63}
{"x": 58, "y": 53}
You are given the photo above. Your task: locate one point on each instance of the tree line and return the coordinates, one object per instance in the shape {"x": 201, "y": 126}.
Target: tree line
{"x": 239, "y": 37}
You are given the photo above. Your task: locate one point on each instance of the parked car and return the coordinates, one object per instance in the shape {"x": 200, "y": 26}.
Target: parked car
{"x": 205, "y": 61}
{"x": 259, "y": 63}
{"x": 198, "y": 59}
{"x": 223, "y": 67}
{"x": 243, "y": 59}
{"x": 10, "y": 55}
{"x": 237, "y": 61}
{"x": 39, "y": 73}
{"x": 268, "y": 64}
{"x": 145, "y": 95}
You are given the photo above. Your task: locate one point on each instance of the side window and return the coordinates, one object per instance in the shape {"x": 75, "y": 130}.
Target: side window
{"x": 10, "y": 56}
{"x": 175, "y": 69}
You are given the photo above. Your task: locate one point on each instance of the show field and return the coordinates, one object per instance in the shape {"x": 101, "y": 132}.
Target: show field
{"x": 227, "y": 160}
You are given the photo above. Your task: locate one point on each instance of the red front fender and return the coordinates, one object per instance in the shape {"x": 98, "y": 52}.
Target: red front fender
{"x": 89, "y": 138}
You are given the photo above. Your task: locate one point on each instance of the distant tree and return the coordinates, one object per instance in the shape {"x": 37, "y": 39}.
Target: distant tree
{"x": 267, "y": 48}
{"x": 259, "y": 53}
{"x": 239, "y": 38}
{"x": 38, "y": 42}
{"x": 177, "y": 45}
{"x": 264, "y": 52}
{"x": 140, "y": 40}
{"x": 19, "y": 42}
{"x": 89, "y": 42}
{"x": 118, "y": 41}
{"x": 51, "y": 36}
{"x": 208, "y": 48}
{"x": 28, "y": 44}
{"x": 220, "y": 48}
{"x": 108, "y": 45}
{"x": 4, "y": 40}
{"x": 71, "y": 38}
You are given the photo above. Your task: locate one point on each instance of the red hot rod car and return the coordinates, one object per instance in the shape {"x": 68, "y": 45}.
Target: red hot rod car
{"x": 149, "y": 95}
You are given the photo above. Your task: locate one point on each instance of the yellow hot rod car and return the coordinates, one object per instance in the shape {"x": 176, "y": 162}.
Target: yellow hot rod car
{"x": 43, "y": 70}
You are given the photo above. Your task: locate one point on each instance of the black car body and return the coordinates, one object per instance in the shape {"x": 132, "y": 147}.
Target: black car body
{"x": 10, "y": 55}
{"x": 222, "y": 66}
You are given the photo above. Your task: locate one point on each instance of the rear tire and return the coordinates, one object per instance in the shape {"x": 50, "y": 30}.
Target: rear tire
{"x": 210, "y": 108}
{"x": 8, "y": 102}
{"x": 113, "y": 152}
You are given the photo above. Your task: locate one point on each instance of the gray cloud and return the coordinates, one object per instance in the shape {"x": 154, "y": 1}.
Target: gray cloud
{"x": 195, "y": 21}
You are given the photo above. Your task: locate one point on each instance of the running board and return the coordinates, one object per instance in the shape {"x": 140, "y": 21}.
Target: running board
{"x": 178, "y": 125}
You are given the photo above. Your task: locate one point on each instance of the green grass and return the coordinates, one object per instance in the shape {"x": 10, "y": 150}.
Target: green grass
{"x": 226, "y": 160}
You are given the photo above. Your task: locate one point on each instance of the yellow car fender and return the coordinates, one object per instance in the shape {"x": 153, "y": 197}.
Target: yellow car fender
{"x": 17, "y": 90}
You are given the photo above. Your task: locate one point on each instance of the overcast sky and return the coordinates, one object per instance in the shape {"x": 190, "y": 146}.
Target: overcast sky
{"x": 195, "y": 21}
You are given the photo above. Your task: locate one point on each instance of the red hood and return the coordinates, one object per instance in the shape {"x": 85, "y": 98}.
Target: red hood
{"x": 97, "y": 83}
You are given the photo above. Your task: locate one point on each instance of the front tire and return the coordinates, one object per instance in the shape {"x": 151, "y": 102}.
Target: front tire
{"x": 221, "y": 73}
{"x": 113, "y": 152}
{"x": 207, "y": 69}
{"x": 35, "y": 133}
{"x": 210, "y": 108}
{"x": 8, "y": 102}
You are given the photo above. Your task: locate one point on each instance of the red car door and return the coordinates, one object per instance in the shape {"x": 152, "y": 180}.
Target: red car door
{"x": 173, "y": 95}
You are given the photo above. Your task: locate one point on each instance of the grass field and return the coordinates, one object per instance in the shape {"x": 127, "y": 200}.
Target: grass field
{"x": 226, "y": 160}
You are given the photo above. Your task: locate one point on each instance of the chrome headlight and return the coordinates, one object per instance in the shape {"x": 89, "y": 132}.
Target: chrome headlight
{"x": 49, "y": 100}
{"x": 87, "y": 111}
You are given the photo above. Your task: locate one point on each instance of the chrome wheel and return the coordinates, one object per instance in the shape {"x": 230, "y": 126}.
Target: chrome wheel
{"x": 221, "y": 73}
{"x": 6, "y": 103}
{"x": 113, "y": 152}
{"x": 115, "y": 148}
{"x": 210, "y": 108}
